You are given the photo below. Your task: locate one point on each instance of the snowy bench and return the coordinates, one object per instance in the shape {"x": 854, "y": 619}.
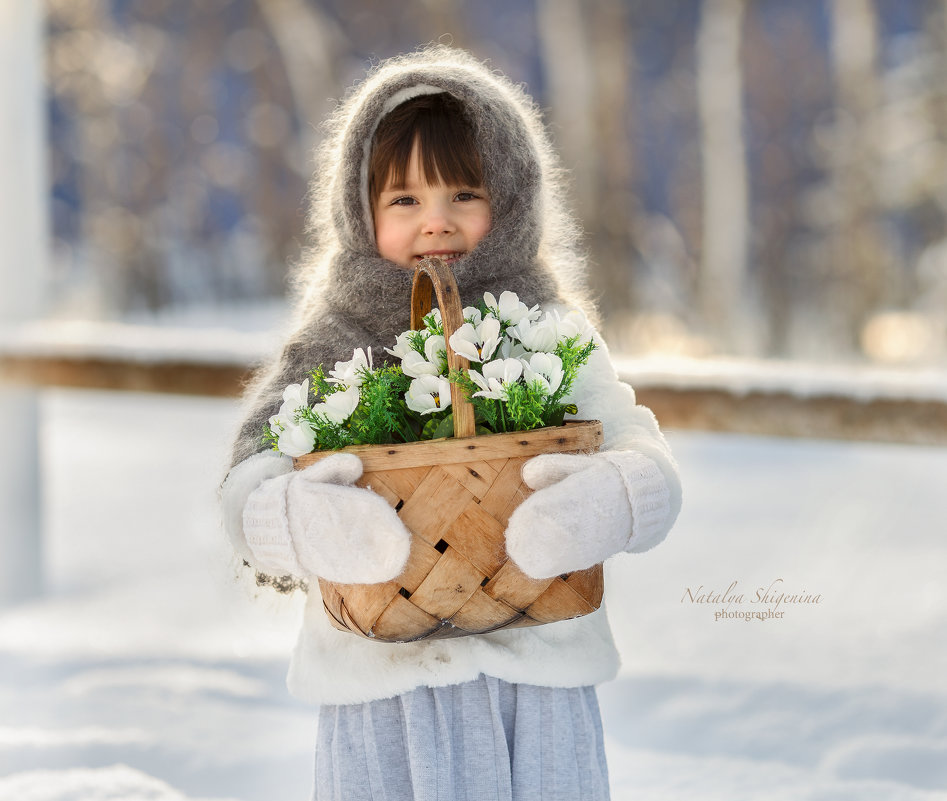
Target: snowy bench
{"x": 107, "y": 355}
{"x": 793, "y": 399}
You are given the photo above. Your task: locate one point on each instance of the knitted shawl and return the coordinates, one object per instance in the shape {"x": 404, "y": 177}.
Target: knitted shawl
{"x": 347, "y": 296}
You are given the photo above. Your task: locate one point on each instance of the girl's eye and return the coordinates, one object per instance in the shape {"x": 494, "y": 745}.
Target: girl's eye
{"x": 405, "y": 200}
{"x": 465, "y": 196}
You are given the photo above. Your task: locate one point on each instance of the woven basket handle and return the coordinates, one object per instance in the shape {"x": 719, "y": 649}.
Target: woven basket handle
{"x": 433, "y": 273}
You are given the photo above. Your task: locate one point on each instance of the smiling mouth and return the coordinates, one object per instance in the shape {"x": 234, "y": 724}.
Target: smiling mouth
{"x": 450, "y": 258}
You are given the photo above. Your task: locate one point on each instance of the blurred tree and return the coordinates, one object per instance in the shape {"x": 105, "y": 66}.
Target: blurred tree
{"x": 181, "y": 123}
{"x": 311, "y": 45}
{"x": 856, "y": 250}
{"x": 589, "y": 71}
{"x": 783, "y": 120}
{"x": 726, "y": 296}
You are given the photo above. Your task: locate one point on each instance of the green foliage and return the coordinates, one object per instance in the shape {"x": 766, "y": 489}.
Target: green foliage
{"x": 379, "y": 417}
{"x": 417, "y": 340}
{"x": 487, "y": 412}
{"x": 573, "y": 356}
{"x": 270, "y": 437}
{"x": 440, "y": 424}
{"x": 526, "y": 406}
{"x": 319, "y": 386}
{"x": 432, "y": 324}
{"x": 330, "y": 436}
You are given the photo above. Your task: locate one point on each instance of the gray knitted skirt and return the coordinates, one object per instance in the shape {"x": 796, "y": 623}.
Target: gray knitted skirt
{"x": 483, "y": 740}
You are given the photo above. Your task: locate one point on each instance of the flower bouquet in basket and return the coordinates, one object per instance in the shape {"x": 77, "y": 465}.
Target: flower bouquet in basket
{"x": 442, "y": 436}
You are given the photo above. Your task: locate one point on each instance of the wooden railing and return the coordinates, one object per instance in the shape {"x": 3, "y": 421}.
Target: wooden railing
{"x": 759, "y": 397}
{"x": 93, "y": 355}
{"x": 788, "y": 399}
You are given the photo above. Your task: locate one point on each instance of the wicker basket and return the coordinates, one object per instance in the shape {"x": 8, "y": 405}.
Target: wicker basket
{"x": 456, "y": 495}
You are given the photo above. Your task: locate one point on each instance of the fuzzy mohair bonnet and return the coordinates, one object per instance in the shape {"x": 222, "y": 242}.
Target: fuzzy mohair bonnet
{"x": 348, "y": 296}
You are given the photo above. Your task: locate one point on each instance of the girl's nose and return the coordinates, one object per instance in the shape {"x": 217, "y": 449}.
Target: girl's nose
{"x": 439, "y": 221}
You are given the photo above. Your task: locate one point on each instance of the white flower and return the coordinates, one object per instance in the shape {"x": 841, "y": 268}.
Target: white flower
{"x": 435, "y": 349}
{"x": 512, "y": 350}
{"x": 350, "y": 373}
{"x": 338, "y": 406}
{"x": 286, "y": 416}
{"x": 429, "y": 393}
{"x": 573, "y": 323}
{"x": 472, "y": 315}
{"x": 477, "y": 344}
{"x": 415, "y": 365}
{"x": 495, "y": 376}
{"x": 435, "y": 315}
{"x": 536, "y": 336}
{"x": 402, "y": 345}
{"x": 280, "y": 420}
{"x": 546, "y": 368}
{"x": 295, "y": 396}
{"x": 294, "y": 439}
{"x": 509, "y": 308}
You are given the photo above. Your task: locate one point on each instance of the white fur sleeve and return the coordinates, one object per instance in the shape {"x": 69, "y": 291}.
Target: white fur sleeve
{"x": 600, "y": 395}
{"x": 251, "y": 492}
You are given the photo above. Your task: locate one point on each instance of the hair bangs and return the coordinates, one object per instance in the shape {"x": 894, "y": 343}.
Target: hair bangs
{"x": 440, "y": 128}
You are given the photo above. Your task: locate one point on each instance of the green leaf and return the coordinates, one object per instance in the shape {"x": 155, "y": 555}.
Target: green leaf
{"x": 432, "y": 325}
{"x": 427, "y": 431}
{"x": 417, "y": 339}
{"x": 556, "y": 416}
{"x": 320, "y": 387}
{"x": 445, "y": 428}
{"x": 270, "y": 437}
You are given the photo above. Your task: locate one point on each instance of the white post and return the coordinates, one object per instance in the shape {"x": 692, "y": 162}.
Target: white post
{"x": 23, "y": 254}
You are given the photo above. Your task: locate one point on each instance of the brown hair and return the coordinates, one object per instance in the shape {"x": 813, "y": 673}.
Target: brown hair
{"x": 438, "y": 124}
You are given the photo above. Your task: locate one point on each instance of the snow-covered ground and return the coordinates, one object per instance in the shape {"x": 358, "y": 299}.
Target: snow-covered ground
{"x": 148, "y": 671}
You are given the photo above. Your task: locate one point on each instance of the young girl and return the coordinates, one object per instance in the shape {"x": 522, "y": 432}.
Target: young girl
{"x": 436, "y": 154}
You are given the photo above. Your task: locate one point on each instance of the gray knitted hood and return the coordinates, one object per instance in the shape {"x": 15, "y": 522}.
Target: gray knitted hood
{"x": 350, "y": 297}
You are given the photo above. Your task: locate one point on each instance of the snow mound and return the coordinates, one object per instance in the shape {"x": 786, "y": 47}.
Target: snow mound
{"x": 114, "y": 783}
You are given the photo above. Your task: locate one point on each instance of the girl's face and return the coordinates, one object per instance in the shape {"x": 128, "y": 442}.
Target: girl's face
{"x": 418, "y": 220}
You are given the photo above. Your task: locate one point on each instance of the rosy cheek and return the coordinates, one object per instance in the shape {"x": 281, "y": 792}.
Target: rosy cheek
{"x": 484, "y": 228}
{"x": 383, "y": 240}
{"x": 392, "y": 242}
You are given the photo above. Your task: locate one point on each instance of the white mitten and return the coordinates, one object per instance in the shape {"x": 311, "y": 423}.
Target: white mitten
{"x": 313, "y": 522}
{"x": 585, "y": 509}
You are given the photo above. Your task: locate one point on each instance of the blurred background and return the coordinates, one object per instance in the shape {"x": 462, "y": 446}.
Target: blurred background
{"x": 762, "y": 179}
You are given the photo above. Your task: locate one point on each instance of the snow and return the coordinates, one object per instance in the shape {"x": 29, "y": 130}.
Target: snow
{"x": 171, "y": 341}
{"x": 796, "y": 378}
{"x": 152, "y": 669}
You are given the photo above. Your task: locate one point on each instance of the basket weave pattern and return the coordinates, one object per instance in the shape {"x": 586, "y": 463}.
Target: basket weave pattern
{"x": 456, "y": 496}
